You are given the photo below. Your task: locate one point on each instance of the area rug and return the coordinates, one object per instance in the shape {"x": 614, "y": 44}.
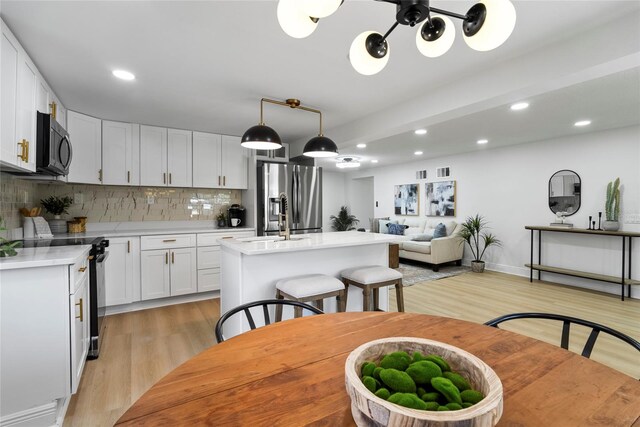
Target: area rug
{"x": 415, "y": 273}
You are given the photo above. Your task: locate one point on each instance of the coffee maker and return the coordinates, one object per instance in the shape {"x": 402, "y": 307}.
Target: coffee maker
{"x": 236, "y": 216}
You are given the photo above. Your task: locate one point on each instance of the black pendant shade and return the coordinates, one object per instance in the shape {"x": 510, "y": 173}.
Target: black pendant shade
{"x": 261, "y": 137}
{"x": 320, "y": 146}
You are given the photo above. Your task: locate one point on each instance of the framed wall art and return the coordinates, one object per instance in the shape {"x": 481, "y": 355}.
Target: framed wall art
{"x": 441, "y": 198}
{"x": 406, "y": 199}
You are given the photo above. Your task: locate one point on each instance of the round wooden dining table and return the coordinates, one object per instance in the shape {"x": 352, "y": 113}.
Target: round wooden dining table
{"x": 291, "y": 373}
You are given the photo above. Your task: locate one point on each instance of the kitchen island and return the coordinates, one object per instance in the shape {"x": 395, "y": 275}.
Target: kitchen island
{"x": 250, "y": 267}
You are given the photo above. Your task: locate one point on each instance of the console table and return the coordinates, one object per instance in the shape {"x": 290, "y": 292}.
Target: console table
{"x": 621, "y": 280}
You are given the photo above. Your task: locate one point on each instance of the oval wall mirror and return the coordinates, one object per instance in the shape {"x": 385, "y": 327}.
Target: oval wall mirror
{"x": 564, "y": 192}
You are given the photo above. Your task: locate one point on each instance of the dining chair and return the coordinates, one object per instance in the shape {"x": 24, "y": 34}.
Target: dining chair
{"x": 566, "y": 325}
{"x": 265, "y": 304}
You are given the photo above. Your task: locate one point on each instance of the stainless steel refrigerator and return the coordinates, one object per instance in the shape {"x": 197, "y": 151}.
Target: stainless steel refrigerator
{"x": 303, "y": 187}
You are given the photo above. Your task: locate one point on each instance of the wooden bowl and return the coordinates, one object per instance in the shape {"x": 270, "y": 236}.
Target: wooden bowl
{"x": 370, "y": 410}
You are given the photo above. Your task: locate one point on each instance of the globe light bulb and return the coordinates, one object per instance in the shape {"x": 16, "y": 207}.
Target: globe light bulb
{"x": 497, "y": 27}
{"x": 293, "y": 20}
{"x": 443, "y": 43}
{"x": 361, "y": 59}
{"x": 319, "y": 8}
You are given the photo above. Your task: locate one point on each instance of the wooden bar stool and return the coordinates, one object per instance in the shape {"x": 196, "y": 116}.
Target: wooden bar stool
{"x": 373, "y": 277}
{"x": 308, "y": 288}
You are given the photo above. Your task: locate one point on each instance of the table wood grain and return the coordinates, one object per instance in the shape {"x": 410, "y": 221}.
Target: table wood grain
{"x": 292, "y": 373}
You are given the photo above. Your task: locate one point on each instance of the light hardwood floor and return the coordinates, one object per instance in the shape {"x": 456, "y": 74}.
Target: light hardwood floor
{"x": 140, "y": 348}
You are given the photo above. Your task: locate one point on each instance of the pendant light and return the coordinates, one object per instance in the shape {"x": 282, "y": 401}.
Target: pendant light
{"x": 485, "y": 26}
{"x": 262, "y": 137}
{"x": 294, "y": 21}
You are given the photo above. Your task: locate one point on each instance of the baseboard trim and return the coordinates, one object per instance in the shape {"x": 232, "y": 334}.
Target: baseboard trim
{"x": 44, "y": 415}
{"x": 161, "y": 302}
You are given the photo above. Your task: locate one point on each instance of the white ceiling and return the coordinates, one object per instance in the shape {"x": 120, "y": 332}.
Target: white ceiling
{"x": 204, "y": 65}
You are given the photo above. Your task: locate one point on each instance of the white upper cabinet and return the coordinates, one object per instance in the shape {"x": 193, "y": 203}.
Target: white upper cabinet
{"x": 120, "y": 153}
{"x": 179, "y": 158}
{"x": 85, "y": 134}
{"x": 206, "y": 160}
{"x": 219, "y": 161}
{"x": 27, "y": 80}
{"x": 234, "y": 160}
{"x": 9, "y": 149}
{"x": 153, "y": 156}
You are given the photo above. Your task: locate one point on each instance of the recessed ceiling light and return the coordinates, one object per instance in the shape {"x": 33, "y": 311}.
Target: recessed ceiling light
{"x": 420, "y": 132}
{"x": 519, "y": 106}
{"x": 582, "y": 123}
{"x": 361, "y": 145}
{"x": 374, "y": 161}
{"x": 483, "y": 141}
{"x": 418, "y": 153}
{"x": 124, "y": 75}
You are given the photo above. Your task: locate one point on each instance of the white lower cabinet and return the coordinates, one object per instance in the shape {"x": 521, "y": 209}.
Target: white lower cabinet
{"x": 122, "y": 271}
{"x": 209, "y": 258}
{"x": 169, "y": 271}
{"x": 79, "y": 321}
{"x": 44, "y": 317}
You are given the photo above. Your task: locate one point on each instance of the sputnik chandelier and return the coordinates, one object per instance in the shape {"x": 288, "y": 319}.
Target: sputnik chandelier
{"x": 485, "y": 26}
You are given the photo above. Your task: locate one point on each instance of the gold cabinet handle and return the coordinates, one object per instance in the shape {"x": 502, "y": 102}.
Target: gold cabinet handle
{"x": 90, "y": 257}
{"x": 24, "y": 150}
{"x": 173, "y": 258}
{"x": 128, "y": 246}
{"x": 168, "y": 240}
{"x": 82, "y": 269}
{"x": 81, "y": 317}
{"x": 218, "y": 180}
{"x": 169, "y": 177}
{"x": 224, "y": 180}
{"x": 54, "y": 109}
{"x": 128, "y": 176}
{"x": 164, "y": 178}
{"x": 166, "y": 257}
{"x": 100, "y": 175}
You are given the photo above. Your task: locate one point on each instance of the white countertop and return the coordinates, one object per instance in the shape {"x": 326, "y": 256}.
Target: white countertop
{"x": 304, "y": 242}
{"x": 45, "y": 257}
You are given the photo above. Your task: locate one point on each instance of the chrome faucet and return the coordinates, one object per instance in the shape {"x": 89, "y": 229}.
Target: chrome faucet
{"x": 283, "y": 217}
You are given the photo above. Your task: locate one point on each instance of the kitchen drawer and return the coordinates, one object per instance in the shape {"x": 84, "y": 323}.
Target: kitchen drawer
{"x": 209, "y": 280}
{"x": 77, "y": 272}
{"x": 211, "y": 239}
{"x": 208, "y": 257}
{"x": 167, "y": 241}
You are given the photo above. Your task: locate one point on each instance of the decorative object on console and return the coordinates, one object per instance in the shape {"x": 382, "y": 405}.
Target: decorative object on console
{"x": 57, "y": 206}
{"x": 478, "y": 240}
{"x": 406, "y": 199}
{"x": 7, "y": 248}
{"x": 564, "y": 192}
{"x": 441, "y": 198}
{"x": 590, "y": 223}
{"x": 344, "y": 221}
{"x": 612, "y": 206}
{"x": 262, "y": 137}
{"x": 560, "y": 222}
{"x": 485, "y": 26}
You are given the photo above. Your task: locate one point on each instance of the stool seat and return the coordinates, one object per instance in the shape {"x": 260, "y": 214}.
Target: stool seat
{"x": 309, "y": 285}
{"x": 371, "y": 274}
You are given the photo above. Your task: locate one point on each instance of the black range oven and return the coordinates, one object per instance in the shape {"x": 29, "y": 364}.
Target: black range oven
{"x": 97, "y": 297}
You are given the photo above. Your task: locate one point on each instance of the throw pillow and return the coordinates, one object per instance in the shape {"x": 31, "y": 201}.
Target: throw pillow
{"x": 397, "y": 229}
{"x": 440, "y": 231}
{"x": 384, "y": 225}
{"x": 422, "y": 238}
{"x": 374, "y": 224}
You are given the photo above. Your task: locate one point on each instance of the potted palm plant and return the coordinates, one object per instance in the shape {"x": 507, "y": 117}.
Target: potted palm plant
{"x": 57, "y": 206}
{"x": 474, "y": 234}
{"x": 344, "y": 221}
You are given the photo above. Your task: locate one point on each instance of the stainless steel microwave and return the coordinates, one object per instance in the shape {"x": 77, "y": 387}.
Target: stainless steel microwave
{"x": 54, "y": 152}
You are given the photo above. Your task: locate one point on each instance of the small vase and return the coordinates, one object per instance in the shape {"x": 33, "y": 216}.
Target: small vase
{"x": 56, "y": 217}
{"x": 221, "y": 223}
{"x": 477, "y": 266}
{"x": 611, "y": 225}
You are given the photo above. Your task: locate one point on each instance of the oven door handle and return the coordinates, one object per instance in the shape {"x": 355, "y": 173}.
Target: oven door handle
{"x": 102, "y": 257}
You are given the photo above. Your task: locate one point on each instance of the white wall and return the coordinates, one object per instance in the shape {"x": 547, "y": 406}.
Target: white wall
{"x": 333, "y": 196}
{"x": 360, "y": 199}
{"x": 509, "y": 186}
